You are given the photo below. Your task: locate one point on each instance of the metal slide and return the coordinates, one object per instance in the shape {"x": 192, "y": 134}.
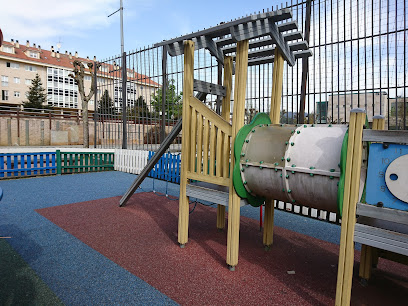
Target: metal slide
{"x": 162, "y": 149}
{"x": 201, "y": 95}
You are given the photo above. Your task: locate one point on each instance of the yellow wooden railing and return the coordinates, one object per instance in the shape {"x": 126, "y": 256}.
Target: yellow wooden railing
{"x": 210, "y": 145}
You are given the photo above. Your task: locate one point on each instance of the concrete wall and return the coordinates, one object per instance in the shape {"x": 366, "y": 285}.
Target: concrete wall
{"x": 37, "y": 132}
{"x": 64, "y": 132}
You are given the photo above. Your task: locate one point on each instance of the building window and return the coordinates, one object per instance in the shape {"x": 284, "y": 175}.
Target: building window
{"x": 4, "y": 80}
{"x": 17, "y": 94}
{"x": 12, "y": 65}
{"x": 87, "y": 78}
{"x": 28, "y": 81}
{"x": 17, "y": 80}
{"x": 8, "y": 49}
{"x": 104, "y": 69}
{"x": 60, "y": 88}
{"x": 34, "y": 54}
{"x": 4, "y": 95}
{"x": 30, "y": 68}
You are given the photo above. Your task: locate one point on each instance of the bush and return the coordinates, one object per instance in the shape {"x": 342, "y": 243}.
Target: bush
{"x": 152, "y": 135}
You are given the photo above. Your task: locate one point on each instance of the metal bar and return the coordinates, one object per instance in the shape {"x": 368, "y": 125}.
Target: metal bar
{"x": 388, "y": 70}
{"x": 156, "y": 157}
{"x": 305, "y": 65}
{"x": 164, "y": 94}
{"x": 405, "y": 65}
{"x": 95, "y": 84}
{"x": 351, "y": 54}
{"x": 124, "y": 101}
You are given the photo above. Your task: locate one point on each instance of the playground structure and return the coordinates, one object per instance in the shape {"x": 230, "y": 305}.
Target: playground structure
{"x": 288, "y": 171}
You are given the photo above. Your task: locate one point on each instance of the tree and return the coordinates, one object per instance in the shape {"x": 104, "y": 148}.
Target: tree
{"x": 140, "y": 109}
{"x": 106, "y": 106}
{"x": 36, "y": 95}
{"x": 79, "y": 73}
{"x": 174, "y": 101}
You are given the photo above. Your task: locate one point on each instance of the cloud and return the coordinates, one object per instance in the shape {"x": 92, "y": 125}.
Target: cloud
{"x": 43, "y": 20}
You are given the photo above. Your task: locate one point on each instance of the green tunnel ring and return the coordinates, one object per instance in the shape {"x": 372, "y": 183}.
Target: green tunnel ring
{"x": 342, "y": 166}
{"x": 256, "y": 201}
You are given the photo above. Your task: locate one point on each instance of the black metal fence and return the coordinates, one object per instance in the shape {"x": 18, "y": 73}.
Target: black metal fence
{"x": 359, "y": 60}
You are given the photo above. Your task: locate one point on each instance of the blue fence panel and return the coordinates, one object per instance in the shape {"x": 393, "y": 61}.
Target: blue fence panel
{"x": 27, "y": 164}
{"x": 167, "y": 168}
{"x": 1, "y": 166}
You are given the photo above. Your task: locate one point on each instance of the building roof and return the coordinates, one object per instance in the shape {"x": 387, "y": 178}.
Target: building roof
{"x": 50, "y": 58}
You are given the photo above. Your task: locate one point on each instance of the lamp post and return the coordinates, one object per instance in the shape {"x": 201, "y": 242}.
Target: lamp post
{"x": 124, "y": 77}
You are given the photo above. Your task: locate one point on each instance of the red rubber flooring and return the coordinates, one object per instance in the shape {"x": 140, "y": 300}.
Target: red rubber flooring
{"x": 142, "y": 238}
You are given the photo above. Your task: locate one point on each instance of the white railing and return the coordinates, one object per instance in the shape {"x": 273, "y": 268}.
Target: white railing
{"x": 130, "y": 161}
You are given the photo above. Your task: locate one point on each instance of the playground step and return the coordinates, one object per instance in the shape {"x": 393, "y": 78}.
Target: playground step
{"x": 211, "y": 193}
{"x": 383, "y": 228}
{"x": 384, "y": 239}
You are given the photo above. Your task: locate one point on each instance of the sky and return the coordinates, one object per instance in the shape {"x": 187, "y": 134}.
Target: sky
{"x": 83, "y": 25}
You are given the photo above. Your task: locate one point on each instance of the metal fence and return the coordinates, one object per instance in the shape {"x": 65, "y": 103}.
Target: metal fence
{"x": 359, "y": 60}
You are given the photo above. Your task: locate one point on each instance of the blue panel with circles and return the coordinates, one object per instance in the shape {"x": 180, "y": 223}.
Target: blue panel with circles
{"x": 380, "y": 158}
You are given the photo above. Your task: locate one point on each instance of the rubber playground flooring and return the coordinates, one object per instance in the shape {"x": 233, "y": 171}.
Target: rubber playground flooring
{"x": 70, "y": 231}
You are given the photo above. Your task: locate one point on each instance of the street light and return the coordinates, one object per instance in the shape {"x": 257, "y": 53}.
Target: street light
{"x": 121, "y": 26}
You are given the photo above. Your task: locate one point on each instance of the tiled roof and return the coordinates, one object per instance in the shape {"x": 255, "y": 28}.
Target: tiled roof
{"x": 64, "y": 61}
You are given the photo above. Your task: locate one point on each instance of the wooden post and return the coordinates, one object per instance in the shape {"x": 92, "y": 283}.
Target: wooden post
{"x": 348, "y": 221}
{"x": 185, "y": 145}
{"x": 369, "y": 255}
{"x": 241, "y": 70}
{"x": 226, "y": 109}
{"x": 277, "y": 78}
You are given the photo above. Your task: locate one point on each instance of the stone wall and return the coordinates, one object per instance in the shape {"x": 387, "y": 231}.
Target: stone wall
{"x": 42, "y": 132}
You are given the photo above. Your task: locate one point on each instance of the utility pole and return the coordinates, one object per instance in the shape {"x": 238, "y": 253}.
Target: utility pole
{"x": 124, "y": 78}
{"x": 122, "y": 47}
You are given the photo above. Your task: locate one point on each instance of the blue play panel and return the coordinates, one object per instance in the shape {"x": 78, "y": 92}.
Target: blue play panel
{"x": 380, "y": 158}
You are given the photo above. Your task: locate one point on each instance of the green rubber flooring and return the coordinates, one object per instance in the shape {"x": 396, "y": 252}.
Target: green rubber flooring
{"x": 19, "y": 284}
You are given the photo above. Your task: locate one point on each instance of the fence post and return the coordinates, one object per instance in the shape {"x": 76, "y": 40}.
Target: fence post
{"x": 164, "y": 95}
{"x": 95, "y": 101}
{"x": 305, "y": 66}
{"x": 18, "y": 127}
{"x": 58, "y": 153}
{"x": 124, "y": 91}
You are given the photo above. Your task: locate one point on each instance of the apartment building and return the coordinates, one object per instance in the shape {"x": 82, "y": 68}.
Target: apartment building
{"x": 20, "y": 63}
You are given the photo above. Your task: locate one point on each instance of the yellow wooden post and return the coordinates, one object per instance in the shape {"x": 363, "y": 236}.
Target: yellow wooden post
{"x": 369, "y": 255}
{"x": 225, "y": 113}
{"x": 277, "y": 78}
{"x": 348, "y": 221}
{"x": 241, "y": 70}
{"x": 379, "y": 123}
{"x": 185, "y": 145}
